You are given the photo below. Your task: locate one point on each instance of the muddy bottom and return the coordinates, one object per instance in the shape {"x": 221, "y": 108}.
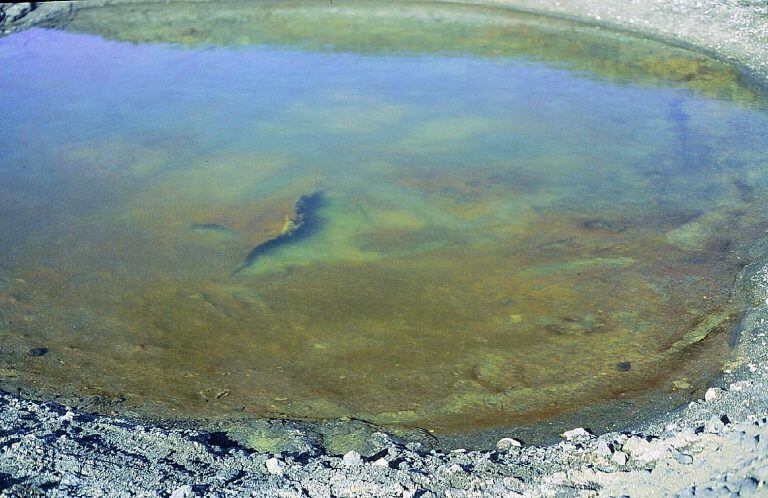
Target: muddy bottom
{"x": 425, "y": 216}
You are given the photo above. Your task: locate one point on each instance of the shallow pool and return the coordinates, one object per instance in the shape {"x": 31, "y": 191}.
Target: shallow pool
{"x": 415, "y": 215}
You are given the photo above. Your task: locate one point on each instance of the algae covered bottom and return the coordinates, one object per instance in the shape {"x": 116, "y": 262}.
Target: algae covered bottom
{"x": 416, "y": 215}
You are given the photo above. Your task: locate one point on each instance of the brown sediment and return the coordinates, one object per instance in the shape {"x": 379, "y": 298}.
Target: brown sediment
{"x": 366, "y": 339}
{"x": 499, "y": 316}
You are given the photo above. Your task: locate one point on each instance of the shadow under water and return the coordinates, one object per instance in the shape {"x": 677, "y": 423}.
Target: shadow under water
{"x": 432, "y": 216}
{"x": 301, "y": 225}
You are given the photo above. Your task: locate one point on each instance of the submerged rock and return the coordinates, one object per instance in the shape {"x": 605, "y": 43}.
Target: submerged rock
{"x": 35, "y": 352}
{"x": 303, "y": 223}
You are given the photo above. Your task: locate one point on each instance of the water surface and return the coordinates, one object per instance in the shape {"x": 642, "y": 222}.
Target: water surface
{"x": 457, "y": 221}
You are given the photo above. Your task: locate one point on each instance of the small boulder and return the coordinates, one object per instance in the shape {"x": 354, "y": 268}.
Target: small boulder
{"x": 351, "y": 458}
{"x": 183, "y": 492}
{"x": 619, "y": 458}
{"x": 714, "y": 425}
{"x": 35, "y": 352}
{"x": 683, "y": 458}
{"x": 643, "y": 450}
{"x": 577, "y": 433}
{"x": 712, "y": 394}
{"x": 604, "y": 449}
{"x": 275, "y": 466}
{"x": 507, "y": 443}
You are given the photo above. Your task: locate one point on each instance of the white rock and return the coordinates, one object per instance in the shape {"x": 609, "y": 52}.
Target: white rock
{"x": 645, "y": 451}
{"x": 619, "y": 457}
{"x": 577, "y": 433}
{"x": 714, "y": 425}
{"x": 381, "y": 462}
{"x": 454, "y": 468}
{"x": 603, "y": 449}
{"x": 275, "y": 466}
{"x": 16, "y": 11}
{"x": 712, "y": 394}
{"x": 351, "y": 458}
{"x": 507, "y": 443}
{"x": 738, "y": 386}
{"x": 182, "y": 492}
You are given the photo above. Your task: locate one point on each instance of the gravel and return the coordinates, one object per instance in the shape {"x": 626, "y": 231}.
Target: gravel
{"x": 716, "y": 446}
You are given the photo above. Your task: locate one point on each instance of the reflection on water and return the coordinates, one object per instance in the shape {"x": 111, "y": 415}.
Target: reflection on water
{"x": 454, "y": 241}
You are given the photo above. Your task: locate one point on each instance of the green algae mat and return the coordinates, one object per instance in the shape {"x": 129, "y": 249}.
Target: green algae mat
{"x": 416, "y": 215}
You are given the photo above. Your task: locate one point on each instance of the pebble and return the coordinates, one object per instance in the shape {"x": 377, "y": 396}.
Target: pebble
{"x": 714, "y": 425}
{"x": 619, "y": 458}
{"x": 643, "y": 450}
{"x": 577, "y": 433}
{"x": 507, "y": 443}
{"x": 624, "y": 366}
{"x": 275, "y": 466}
{"x": 351, "y": 458}
{"x": 683, "y": 458}
{"x": 712, "y": 394}
{"x": 603, "y": 449}
{"x": 182, "y": 492}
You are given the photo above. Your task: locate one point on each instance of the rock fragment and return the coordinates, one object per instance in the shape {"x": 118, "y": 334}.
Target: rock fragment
{"x": 603, "y": 449}
{"x": 275, "y": 466}
{"x": 508, "y": 443}
{"x": 351, "y": 458}
{"x": 712, "y": 394}
{"x": 184, "y": 491}
{"x": 36, "y": 352}
{"x": 577, "y": 433}
{"x": 714, "y": 425}
{"x": 683, "y": 458}
{"x": 619, "y": 458}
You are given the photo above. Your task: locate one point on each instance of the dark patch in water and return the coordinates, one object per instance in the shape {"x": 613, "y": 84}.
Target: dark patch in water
{"x": 304, "y": 223}
{"x": 212, "y": 228}
{"x": 746, "y": 191}
{"x": 624, "y": 366}
{"x": 209, "y": 226}
{"x": 694, "y": 155}
{"x": 602, "y": 225}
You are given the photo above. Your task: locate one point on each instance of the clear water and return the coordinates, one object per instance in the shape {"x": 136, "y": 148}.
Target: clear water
{"x": 500, "y": 236}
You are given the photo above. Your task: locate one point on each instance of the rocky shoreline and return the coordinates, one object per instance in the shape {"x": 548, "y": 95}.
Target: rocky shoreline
{"x": 715, "y": 446}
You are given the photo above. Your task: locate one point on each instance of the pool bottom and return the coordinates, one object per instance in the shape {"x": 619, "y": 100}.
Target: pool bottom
{"x": 445, "y": 297}
{"x": 338, "y": 436}
{"x": 694, "y": 361}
